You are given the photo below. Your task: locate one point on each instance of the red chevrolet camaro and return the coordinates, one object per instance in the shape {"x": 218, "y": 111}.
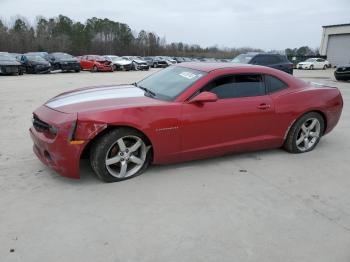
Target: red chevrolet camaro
{"x": 187, "y": 111}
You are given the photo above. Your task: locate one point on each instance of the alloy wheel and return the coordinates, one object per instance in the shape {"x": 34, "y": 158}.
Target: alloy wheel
{"x": 308, "y": 135}
{"x": 126, "y": 156}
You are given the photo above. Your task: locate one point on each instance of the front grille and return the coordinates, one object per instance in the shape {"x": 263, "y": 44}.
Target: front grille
{"x": 10, "y": 69}
{"x": 40, "y": 125}
{"x": 343, "y": 69}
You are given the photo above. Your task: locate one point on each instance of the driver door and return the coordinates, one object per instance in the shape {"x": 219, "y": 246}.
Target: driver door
{"x": 240, "y": 119}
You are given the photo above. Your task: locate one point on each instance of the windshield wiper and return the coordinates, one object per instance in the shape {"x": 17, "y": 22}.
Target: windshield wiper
{"x": 147, "y": 91}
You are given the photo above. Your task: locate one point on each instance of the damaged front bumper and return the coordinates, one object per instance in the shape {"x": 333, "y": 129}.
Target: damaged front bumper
{"x": 59, "y": 139}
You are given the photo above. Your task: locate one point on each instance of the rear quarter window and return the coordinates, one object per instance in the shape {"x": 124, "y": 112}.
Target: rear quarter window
{"x": 274, "y": 84}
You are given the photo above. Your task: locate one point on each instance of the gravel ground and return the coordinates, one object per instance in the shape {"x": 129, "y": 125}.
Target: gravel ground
{"x": 262, "y": 206}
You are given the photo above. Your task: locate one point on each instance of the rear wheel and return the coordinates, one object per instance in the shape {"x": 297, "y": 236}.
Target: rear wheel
{"x": 305, "y": 134}
{"x": 120, "y": 154}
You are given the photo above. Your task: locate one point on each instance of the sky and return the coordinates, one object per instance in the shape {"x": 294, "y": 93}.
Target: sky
{"x": 265, "y": 24}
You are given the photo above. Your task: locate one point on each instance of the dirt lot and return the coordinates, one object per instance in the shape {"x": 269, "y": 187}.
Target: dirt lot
{"x": 262, "y": 206}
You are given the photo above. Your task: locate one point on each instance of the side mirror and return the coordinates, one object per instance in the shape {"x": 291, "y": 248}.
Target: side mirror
{"x": 204, "y": 97}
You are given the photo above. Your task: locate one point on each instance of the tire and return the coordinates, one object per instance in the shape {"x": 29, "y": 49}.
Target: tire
{"x": 115, "y": 68}
{"x": 77, "y": 70}
{"x": 311, "y": 67}
{"x": 295, "y": 141}
{"x": 108, "y": 147}
{"x": 339, "y": 78}
{"x": 324, "y": 67}
{"x": 94, "y": 69}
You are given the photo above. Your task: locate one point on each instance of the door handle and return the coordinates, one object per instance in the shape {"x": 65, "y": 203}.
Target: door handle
{"x": 264, "y": 106}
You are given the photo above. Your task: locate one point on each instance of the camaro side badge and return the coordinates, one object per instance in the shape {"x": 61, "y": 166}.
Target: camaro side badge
{"x": 167, "y": 128}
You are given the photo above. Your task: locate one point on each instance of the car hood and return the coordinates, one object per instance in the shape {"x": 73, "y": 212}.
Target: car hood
{"x": 9, "y": 63}
{"x": 122, "y": 62}
{"x": 102, "y": 98}
{"x": 139, "y": 61}
{"x": 346, "y": 65}
{"x": 67, "y": 60}
{"x": 39, "y": 63}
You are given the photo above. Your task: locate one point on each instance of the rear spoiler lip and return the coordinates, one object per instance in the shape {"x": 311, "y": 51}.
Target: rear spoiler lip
{"x": 314, "y": 84}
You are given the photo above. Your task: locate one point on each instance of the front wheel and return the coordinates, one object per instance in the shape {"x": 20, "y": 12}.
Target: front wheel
{"x": 311, "y": 67}
{"x": 120, "y": 154}
{"x": 94, "y": 69}
{"x": 305, "y": 133}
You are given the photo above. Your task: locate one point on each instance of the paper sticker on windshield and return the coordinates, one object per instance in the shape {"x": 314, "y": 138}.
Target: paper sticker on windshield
{"x": 188, "y": 75}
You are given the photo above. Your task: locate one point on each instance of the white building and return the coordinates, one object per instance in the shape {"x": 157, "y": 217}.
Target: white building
{"x": 335, "y": 44}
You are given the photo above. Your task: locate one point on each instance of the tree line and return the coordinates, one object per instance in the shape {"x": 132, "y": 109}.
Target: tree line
{"x": 97, "y": 36}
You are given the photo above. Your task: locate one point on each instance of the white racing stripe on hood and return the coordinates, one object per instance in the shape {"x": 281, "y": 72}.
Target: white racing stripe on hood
{"x": 94, "y": 94}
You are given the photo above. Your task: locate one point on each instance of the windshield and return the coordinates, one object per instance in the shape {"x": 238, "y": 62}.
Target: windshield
{"x": 35, "y": 58}
{"x": 63, "y": 56}
{"x": 115, "y": 58}
{"x": 168, "y": 83}
{"x": 242, "y": 59}
{"x": 7, "y": 57}
{"x": 310, "y": 60}
{"x": 97, "y": 58}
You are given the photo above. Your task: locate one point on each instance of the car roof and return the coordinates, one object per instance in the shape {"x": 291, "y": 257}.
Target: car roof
{"x": 208, "y": 67}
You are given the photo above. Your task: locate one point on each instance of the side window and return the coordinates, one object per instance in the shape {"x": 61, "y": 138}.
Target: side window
{"x": 276, "y": 59}
{"x": 274, "y": 84}
{"x": 320, "y": 60}
{"x": 235, "y": 86}
{"x": 261, "y": 60}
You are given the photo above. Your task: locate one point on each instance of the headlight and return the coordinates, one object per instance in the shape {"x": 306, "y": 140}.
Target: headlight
{"x": 53, "y": 130}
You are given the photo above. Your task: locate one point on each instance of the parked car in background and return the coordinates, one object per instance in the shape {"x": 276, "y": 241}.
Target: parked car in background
{"x": 179, "y": 59}
{"x": 342, "y": 72}
{"x": 119, "y": 63}
{"x": 276, "y": 61}
{"x": 137, "y": 62}
{"x": 224, "y": 60}
{"x": 150, "y": 60}
{"x": 170, "y": 60}
{"x": 124, "y": 128}
{"x": 9, "y": 65}
{"x": 64, "y": 62}
{"x": 44, "y": 55}
{"x": 96, "y": 63}
{"x": 35, "y": 64}
{"x": 155, "y": 61}
{"x": 17, "y": 56}
{"x": 187, "y": 59}
{"x": 313, "y": 63}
